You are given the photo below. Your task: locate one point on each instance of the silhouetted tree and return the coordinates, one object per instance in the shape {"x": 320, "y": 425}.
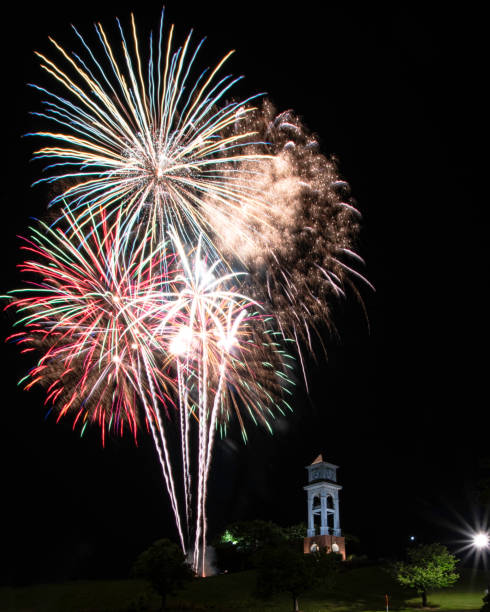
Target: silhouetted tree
{"x": 294, "y": 533}
{"x": 164, "y": 566}
{"x": 286, "y": 568}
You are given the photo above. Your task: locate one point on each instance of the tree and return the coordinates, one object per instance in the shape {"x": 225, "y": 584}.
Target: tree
{"x": 164, "y": 566}
{"x": 294, "y": 533}
{"x": 251, "y": 536}
{"x": 239, "y": 543}
{"x": 286, "y": 568}
{"x": 429, "y": 566}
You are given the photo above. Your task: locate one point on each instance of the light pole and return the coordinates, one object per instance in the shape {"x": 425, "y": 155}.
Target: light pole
{"x": 481, "y": 541}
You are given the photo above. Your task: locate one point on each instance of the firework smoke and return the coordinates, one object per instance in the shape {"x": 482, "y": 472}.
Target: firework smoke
{"x": 295, "y": 232}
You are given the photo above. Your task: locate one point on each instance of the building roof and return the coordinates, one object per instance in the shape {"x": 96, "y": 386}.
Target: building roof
{"x": 320, "y": 460}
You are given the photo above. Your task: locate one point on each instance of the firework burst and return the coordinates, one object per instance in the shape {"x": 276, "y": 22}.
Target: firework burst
{"x": 125, "y": 337}
{"x": 299, "y": 250}
{"x": 148, "y": 143}
{"x": 251, "y": 181}
{"x": 90, "y": 307}
{"x": 195, "y": 238}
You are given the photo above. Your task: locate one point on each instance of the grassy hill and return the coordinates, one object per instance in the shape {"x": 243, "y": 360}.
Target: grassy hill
{"x": 361, "y": 589}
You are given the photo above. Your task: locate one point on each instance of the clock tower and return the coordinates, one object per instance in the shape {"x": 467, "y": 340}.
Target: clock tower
{"x": 323, "y": 508}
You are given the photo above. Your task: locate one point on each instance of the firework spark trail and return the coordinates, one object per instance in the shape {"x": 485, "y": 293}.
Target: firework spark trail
{"x": 202, "y": 415}
{"x": 184, "y": 442}
{"x": 207, "y": 462}
{"x": 201, "y": 297}
{"x": 160, "y": 442}
{"x": 210, "y": 325}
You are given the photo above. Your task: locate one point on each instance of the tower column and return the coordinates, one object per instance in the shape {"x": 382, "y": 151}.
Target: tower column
{"x": 324, "y": 522}
{"x": 336, "y": 516}
{"x": 311, "y": 520}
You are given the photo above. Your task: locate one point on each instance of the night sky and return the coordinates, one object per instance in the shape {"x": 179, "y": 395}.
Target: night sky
{"x": 400, "y": 403}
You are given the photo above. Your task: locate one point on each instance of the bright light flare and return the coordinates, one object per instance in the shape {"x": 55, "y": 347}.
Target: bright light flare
{"x": 481, "y": 540}
{"x": 181, "y": 344}
{"x": 472, "y": 541}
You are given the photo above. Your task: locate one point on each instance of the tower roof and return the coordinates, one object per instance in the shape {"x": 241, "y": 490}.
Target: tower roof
{"x": 321, "y": 460}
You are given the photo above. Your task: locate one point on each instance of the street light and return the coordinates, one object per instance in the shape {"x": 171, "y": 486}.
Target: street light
{"x": 481, "y": 541}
